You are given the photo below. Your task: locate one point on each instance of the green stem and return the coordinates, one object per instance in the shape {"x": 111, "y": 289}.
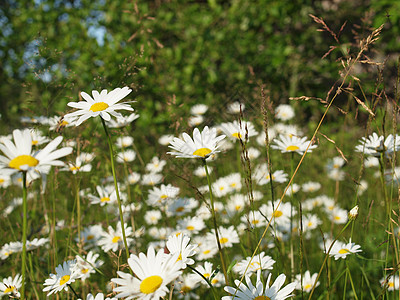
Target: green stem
{"x": 121, "y": 215}
{"x": 206, "y": 280}
{"x": 326, "y": 258}
{"x": 24, "y": 227}
{"x": 221, "y": 254}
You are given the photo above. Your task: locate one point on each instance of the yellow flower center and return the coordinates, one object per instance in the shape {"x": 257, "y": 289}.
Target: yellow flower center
{"x": 223, "y": 240}
{"x": 262, "y": 298}
{"x": 90, "y": 237}
{"x": 84, "y": 271}
{"x": 308, "y": 286}
{"x": 255, "y": 221}
{"x": 391, "y": 284}
{"x": 150, "y": 284}
{"x": 344, "y": 251}
{"x": 116, "y": 239}
{"x": 179, "y": 257}
{"x": 237, "y": 135}
{"x": 99, "y": 106}
{"x": 64, "y": 123}
{"x": 179, "y": 209}
{"x": 337, "y": 218}
{"x": 73, "y": 168}
{"x": 2, "y": 180}
{"x": 206, "y": 251}
{"x": 310, "y": 224}
{"x": 185, "y": 289}
{"x": 206, "y": 275}
{"x": 64, "y": 279}
{"x": 277, "y": 214}
{"x": 105, "y": 199}
{"x": 190, "y": 227}
{"x": 23, "y": 160}
{"x": 35, "y": 143}
{"x": 202, "y": 152}
{"x": 9, "y": 289}
{"x": 164, "y": 196}
{"x": 238, "y": 207}
{"x": 292, "y": 148}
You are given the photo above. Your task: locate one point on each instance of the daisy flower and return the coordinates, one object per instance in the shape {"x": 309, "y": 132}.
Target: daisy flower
{"x": 159, "y": 196}
{"x": 153, "y": 272}
{"x": 181, "y": 206}
{"x": 126, "y": 156}
{"x": 202, "y": 145}
{"x": 341, "y": 250}
{"x": 122, "y": 121}
{"x": 165, "y": 139}
{"x": 58, "y": 122}
{"x": 80, "y": 165}
{"x": 306, "y": 284}
{"x": 391, "y": 282}
{"x": 310, "y": 186}
{"x": 238, "y": 130}
{"x": 152, "y": 217}
{"x": 227, "y": 236}
{"x": 236, "y": 107}
{"x": 99, "y": 296}
{"x": 155, "y": 165}
{"x": 280, "y": 215}
{"x": 19, "y": 155}
{"x": 206, "y": 271}
{"x": 112, "y": 240}
{"x": 207, "y": 249}
{"x": 195, "y": 120}
{"x": 254, "y": 219}
{"x": 191, "y": 225}
{"x": 65, "y": 275}
{"x": 180, "y": 244}
{"x": 107, "y": 195}
{"x": 38, "y": 138}
{"x": 10, "y": 286}
{"x": 292, "y": 144}
{"x": 151, "y": 179}
{"x": 184, "y": 287}
{"x": 235, "y": 204}
{"x": 375, "y": 145}
{"x": 259, "y": 262}
{"x": 87, "y": 265}
{"x": 262, "y": 177}
{"x": 284, "y": 112}
{"x": 102, "y": 104}
{"x": 90, "y": 236}
{"x": 124, "y": 141}
{"x": 198, "y": 109}
{"x": 5, "y": 181}
{"x": 259, "y": 291}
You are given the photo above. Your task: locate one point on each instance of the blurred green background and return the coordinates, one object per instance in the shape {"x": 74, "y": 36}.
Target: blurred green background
{"x": 179, "y": 53}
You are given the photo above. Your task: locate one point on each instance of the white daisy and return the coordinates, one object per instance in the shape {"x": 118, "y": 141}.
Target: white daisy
{"x": 58, "y": 122}
{"x": 124, "y": 141}
{"x": 88, "y": 265}
{"x": 259, "y": 262}
{"x": 106, "y": 195}
{"x": 65, "y": 275}
{"x": 195, "y": 120}
{"x": 307, "y": 282}
{"x": 113, "y": 239}
{"x": 236, "y": 107}
{"x": 181, "y": 206}
{"x": 202, "y": 145}
{"x": 38, "y": 138}
{"x": 227, "y": 236}
{"x": 155, "y": 165}
{"x": 207, "y": 249}
{"x": 198, "y": 109}
{"x": 122, "y": 121}
{"x": 375, "y": 145}
{"x": 166, "y": 139}
{"x": 10, "y": 286}
{"x": 19, "y": 155}
{"x": 292, "y": 144}
{"x": 181, "y": 244}
{"x": 238, "y": 130}
{"x": 310, "y": 186}
{"x": 261, "y": 175}
{"x": 99, "y": 296}
{"x": 341, "y": 250}
{"x": 152, "y": 275}
{"x": 280, "y": 215}
{"x": 159, "y": 196}
{"x": 126, "y": 156}
{"x": 200, "y": 171}
{"x": 251, "y": 292}
{"x": 284, "y": 112}
{"x": 78, "y": 166}
{"x": 152, "y": 217}
{"x": 151, "y": 179}
{"x": 191, "y": 225}
{"x": 102, "y": 104}
{"x": 391, "y": 282}
{"x": 90, "y": 236}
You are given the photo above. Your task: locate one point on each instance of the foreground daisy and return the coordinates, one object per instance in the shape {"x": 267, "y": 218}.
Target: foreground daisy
{"x": 65, "y": 275}
{"x": 20, "y": 157}
{"x": 180, "y": 244}
{"x": 259, "y": 291}
{"x": 10, "y": 286}
{"x": 202, "y": 145}
{"x": 153, "y": 273}
{"x": 102, "y": 104}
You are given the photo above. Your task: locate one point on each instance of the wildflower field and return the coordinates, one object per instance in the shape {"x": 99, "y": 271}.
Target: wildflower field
{"x": 155, "y": 162}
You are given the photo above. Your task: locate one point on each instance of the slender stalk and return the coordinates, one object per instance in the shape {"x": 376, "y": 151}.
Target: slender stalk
{"x": 221, "y": 254}
{"x": 24, "y": 227}
{"x": 121, "y": 215}
{"x": 208, "y": 282}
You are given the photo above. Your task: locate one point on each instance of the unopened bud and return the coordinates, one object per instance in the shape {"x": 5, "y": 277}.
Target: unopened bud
{"x": 353, "y": 213}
